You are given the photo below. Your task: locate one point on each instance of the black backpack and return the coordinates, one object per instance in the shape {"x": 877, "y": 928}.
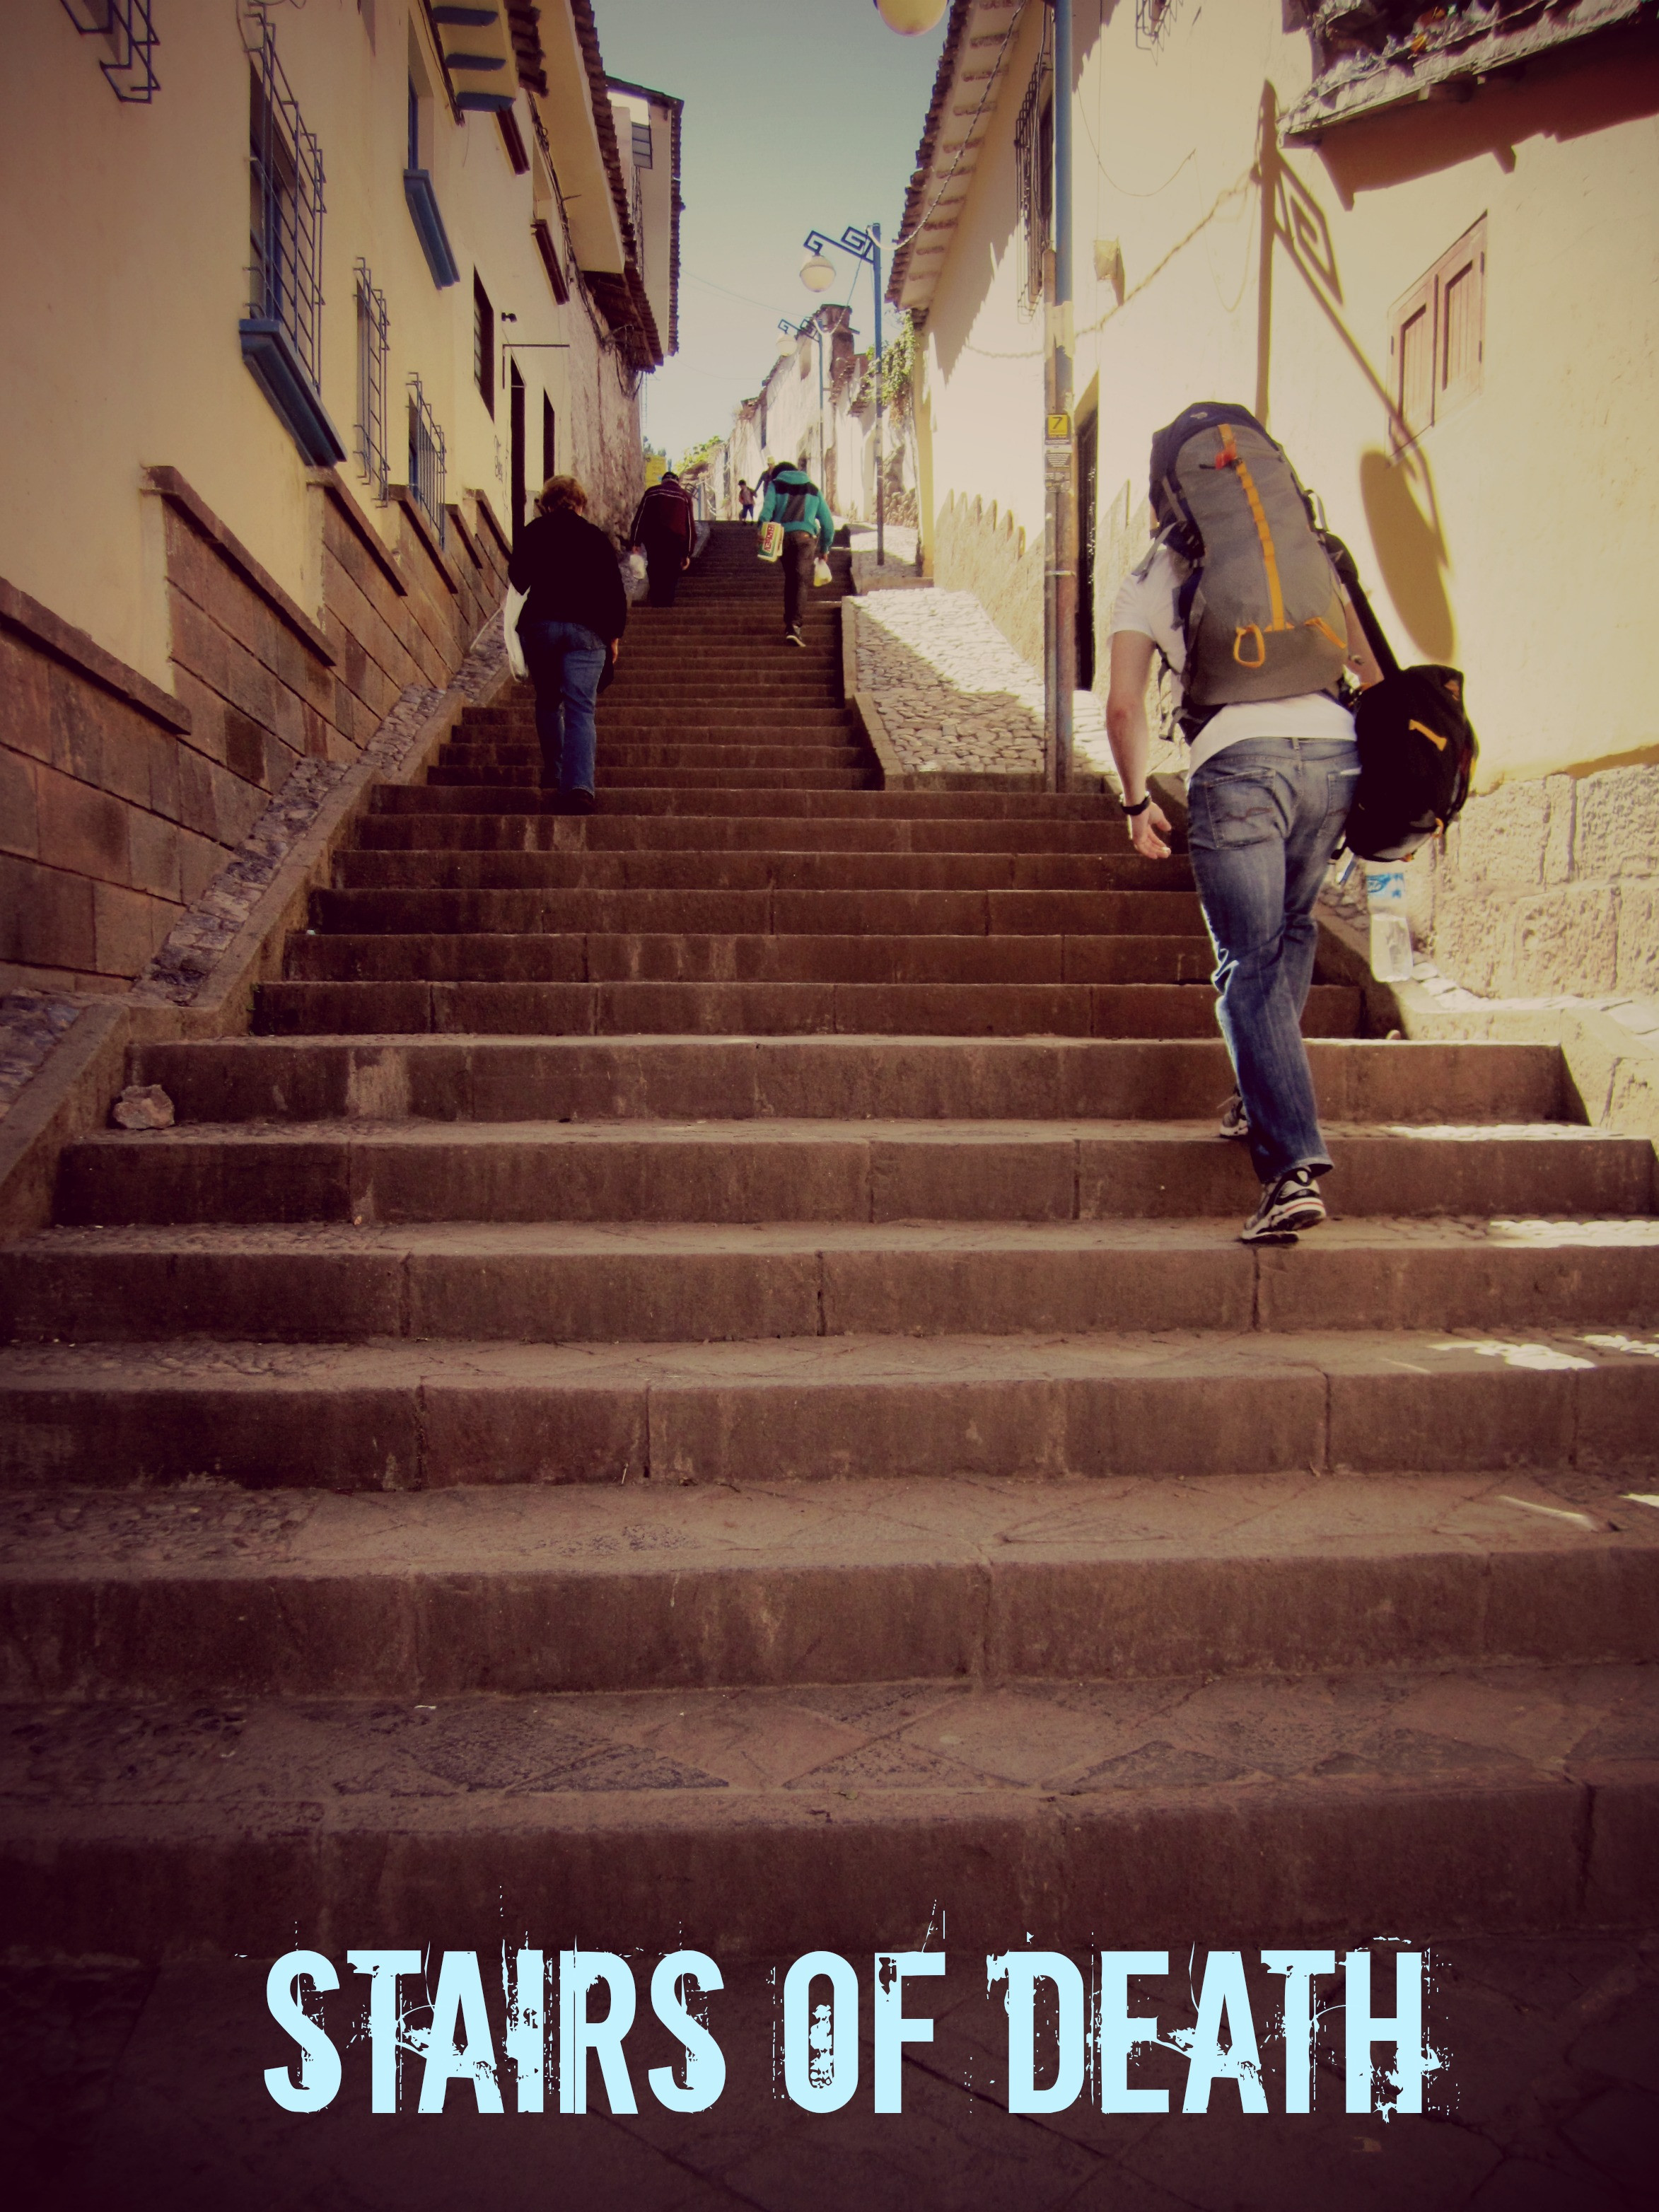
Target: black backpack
{"x": 1417, "y": 744}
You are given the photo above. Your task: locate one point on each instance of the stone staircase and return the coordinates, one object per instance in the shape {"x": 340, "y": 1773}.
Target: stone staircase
{"x": 696, "y": 1380}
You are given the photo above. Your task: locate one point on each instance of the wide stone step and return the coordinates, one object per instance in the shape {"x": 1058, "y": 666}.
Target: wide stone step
{"x": 1488, "y": 1798}
{"x": 547, "y": 867}
{"x": 643, "y": 1585}
{"x": 1140, "y": 1011}
{"x": 514, "y": 956}
{"x": 667, "y": 752}
{"x": 489, "y": 1079}
{"x": 1033, "y": 811}
{"x": 1028, "y": 847}
{"x": 775, "y": 911}
{"x": 1577, "y": 1405}
{"x": 815, "y": 1171}
{"x": 549, "y": 1282}
{"x": 620, "y": 781}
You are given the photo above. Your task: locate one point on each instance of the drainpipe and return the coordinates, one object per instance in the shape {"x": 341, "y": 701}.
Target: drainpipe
{"x": 1059, "y": 451}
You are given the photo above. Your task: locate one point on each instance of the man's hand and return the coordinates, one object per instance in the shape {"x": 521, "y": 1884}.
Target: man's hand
{"x": 1148, "y": 832}
{"x": 616, "y": 647}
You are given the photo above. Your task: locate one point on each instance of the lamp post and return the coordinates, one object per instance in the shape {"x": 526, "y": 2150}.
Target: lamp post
{"x": 794, "y": 333}
{"x": 1059, "y": 445}
{"x": 817, "y": 274}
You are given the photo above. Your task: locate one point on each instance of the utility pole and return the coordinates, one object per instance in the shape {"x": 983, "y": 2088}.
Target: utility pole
{"x": 1060, "y": 444}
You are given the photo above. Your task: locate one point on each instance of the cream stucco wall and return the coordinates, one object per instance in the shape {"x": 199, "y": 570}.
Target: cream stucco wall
{"x": 983, "y": 380}
{"x": 123, "y": 271}
{"x": 1516, "y": 538}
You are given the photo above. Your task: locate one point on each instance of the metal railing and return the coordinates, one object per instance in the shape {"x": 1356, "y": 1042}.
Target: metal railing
{"x": 285, "y": 278}
{"x": 126, "y": 25}
{"x": 426, "y": 458}
{"x": 374, "y": 350}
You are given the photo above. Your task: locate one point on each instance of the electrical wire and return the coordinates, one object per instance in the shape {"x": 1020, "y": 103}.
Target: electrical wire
{"x": 898, "y": 244}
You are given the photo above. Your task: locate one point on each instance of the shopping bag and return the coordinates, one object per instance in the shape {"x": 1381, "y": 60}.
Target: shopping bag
{"x": 771, "y": 541}
{"x": 821, "y": 570}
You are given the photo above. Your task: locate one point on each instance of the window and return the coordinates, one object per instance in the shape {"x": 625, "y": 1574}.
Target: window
{"x": 483, "y": 343}
{"x": 426, "y": 459}
{"x": 418, "y": 192}
{"x": 282, "y": 332}
{"x": 1436, "y": 339}
{"x": 642, "y": 136}
{"x": 1034, "y": 159}
{"x": 126, "y": 30}
{"x": 374, "y": 345}
{"x": 550, "y": 440}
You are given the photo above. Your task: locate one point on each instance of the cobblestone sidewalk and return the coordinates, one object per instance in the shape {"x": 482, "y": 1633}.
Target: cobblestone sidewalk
{"x": 955, "y": 697}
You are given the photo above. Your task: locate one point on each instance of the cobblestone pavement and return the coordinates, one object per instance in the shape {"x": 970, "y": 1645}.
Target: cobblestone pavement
{"x": 957, "y": 699}
{"x": 127, "y": 2088}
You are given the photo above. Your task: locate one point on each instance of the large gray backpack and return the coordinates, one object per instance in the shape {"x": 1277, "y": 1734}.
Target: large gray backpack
{"x": 1260, "y": 609}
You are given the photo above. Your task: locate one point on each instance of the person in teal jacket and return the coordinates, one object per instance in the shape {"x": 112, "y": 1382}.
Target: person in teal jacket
{"x": 794, "y": 499}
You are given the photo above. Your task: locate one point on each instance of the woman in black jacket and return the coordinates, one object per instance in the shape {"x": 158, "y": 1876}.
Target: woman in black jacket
{"x": 571, "y": 622}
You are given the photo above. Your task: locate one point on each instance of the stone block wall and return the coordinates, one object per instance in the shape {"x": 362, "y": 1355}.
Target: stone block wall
{"x": 979, "y": 550}
{"x": 1546, "y": 886}
{"x": 119, "y": 800}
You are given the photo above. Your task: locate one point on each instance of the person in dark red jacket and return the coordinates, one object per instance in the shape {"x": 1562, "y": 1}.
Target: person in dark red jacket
{"x": 570, "y": 624}
{"x": 666, "y": 529}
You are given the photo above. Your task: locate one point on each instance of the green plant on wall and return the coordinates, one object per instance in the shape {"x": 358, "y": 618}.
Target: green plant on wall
{"x": 898, "y": 364}
{"x": 697, "y": 454}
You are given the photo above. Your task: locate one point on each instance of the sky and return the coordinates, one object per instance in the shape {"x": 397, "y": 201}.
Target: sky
{"x": 800, "y": 114}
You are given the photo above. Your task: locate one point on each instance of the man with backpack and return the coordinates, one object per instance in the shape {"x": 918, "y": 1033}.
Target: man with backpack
{"x": 664, "y": 529}
{"x": 1239, "y": 596}
{"x": 795, "y": 501}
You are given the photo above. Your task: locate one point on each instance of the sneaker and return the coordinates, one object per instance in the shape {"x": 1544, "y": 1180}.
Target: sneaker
{"x": 794, "y": 637}
{"x": 1234, "y": 1121}
{"x": 1291, "y": 1203}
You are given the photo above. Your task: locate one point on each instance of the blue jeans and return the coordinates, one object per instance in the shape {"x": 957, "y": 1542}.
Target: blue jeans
{"x": 1263, "y": 819}
{"x": 566, "y": 661}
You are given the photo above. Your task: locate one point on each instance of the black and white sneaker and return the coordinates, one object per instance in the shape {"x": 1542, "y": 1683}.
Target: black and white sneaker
{"x": 1292, "y": 1203}
{"x": 1234, "y": 1121}
{"x": 794, "y": 637}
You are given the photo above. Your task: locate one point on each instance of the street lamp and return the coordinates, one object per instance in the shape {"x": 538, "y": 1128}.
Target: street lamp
{"x": 864, "y": 246}
{"x": 790, "y": 340}
{"x": 909, "y": 17}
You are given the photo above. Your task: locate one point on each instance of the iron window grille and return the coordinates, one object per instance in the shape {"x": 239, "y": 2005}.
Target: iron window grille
{"x": 1033, "y": 160}
{"x": 126, "y": 27}
{"x": 374, "y": 350}
{"x": 282, "y": 330}
{"x": 483, "y": 343}
{"x": 426, "y": 458}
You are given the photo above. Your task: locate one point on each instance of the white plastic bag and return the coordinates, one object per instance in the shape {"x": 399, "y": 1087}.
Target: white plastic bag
{"x": 634, "y": 576}
{"x": 1391, "y": 933}
{"x": 510, "y": 614}
{"x": 821, "y": 570}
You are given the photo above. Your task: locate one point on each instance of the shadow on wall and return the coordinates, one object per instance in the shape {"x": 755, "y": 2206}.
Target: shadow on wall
{"x": 1567, "y": 96}
{"x": 1397, "y": 492}
{"x": 978, "y": 552}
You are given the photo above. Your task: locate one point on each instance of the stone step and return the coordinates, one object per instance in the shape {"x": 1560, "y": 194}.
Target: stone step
{"x": 818, "y": 1170}
{"x": 487, "y": 1079}
{"x": 1139, "y": 1011}
{"x": 1033, "y": 812}
{"x": 669, "y": 751}
{"x": 751, "y": 1821}
{"x": 1577, "y": 1404}
{"x": 774, "y": 911}
{"x": 380, "y": 867}
{"x": 1025, "y": 848}
{"x": 519, "y": 957}
{"x": 618, "y": 781}
{"x": 646, "y": 1585}
{"x": 568, "y": 1282}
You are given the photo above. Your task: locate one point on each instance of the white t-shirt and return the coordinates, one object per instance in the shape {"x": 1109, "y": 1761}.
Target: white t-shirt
{"x": 1146, "y": 604}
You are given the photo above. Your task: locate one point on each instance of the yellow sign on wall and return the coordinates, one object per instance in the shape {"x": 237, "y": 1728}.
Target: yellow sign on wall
{"x": 1060, "y": 426}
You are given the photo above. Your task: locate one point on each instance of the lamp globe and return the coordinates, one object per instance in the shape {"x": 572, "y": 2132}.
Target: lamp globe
{"x": 909, "y": 18}
{"x": 818, "y": 274}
